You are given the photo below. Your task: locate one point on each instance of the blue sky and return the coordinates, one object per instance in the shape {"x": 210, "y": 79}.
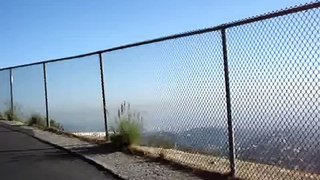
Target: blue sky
{"x": 174, "y": 84}
{"x": 37, "y": 30}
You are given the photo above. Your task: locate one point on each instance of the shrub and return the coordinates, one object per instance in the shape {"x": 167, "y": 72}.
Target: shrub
{"x": 128, "y": 128}
{"x": 116, "y": 141}
{"x": 36, "y": 120}
{"x": 131, "y": 131}
{"x": 128, "y": 133}
{"x": 11, "y": 116}
{"x": 56, "y": 125}
{"x": 39, "y": 121}
{"x": 1, "y": 116}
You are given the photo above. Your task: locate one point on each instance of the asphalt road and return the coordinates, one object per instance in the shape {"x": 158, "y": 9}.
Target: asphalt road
{"x": 23, "y": 157}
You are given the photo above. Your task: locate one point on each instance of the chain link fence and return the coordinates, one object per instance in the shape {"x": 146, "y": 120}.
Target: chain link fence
{"x": 240, "y": 99}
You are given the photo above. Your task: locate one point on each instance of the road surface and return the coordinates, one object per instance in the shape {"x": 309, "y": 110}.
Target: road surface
{"x": 23, "y": 157}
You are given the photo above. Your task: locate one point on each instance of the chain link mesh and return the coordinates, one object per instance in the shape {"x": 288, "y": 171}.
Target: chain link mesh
{"x": 274, "y": 81}
{"x": 74, "y": 93}
{"x": 4, "y": 92}
{"x": 178, "y": 87}
{"x": 28, "y": 92}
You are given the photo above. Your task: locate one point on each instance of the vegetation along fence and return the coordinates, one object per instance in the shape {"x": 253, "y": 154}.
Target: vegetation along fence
{"x": 239, "y": 98}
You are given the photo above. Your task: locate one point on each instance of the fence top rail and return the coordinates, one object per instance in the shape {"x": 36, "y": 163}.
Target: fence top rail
{"x": 282, "y": 12}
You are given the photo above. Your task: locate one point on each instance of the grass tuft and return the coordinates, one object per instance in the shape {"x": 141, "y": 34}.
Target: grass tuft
{"x": 8, "y": 115}
{"x": 128, "y": 130}
{"x": 2, "y": 116}
{"x": 36, "y": 120}
{"x": 128, "y": 133}
{"x": 39, "y": 121}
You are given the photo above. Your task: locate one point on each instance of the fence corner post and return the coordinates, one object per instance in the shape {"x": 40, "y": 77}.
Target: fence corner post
{"x": 105, "y": 117}
{"x": 228, "y": 101}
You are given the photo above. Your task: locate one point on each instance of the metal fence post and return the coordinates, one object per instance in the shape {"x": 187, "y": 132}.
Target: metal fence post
{"x": 11, "y": 94}
{"x": 46, "y": 93}
{"x": 103, "y": 96}
{"x": 229, "y": 115}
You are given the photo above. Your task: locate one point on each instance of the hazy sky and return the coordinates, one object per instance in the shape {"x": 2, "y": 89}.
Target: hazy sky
{"x": 36, "y": 30}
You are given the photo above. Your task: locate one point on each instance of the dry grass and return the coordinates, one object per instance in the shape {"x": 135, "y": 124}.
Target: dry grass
{"x": 245, "y": 170}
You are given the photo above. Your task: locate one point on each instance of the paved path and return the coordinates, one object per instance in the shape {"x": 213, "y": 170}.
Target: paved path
{"x": 23, "y": 157}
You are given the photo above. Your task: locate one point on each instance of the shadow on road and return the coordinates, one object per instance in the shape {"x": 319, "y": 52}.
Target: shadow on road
{"x": 23, "y": 156}
{"x": 39, "y": 156}
{"x": 24, "y": 150}
{"x": 29, "y": 153}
